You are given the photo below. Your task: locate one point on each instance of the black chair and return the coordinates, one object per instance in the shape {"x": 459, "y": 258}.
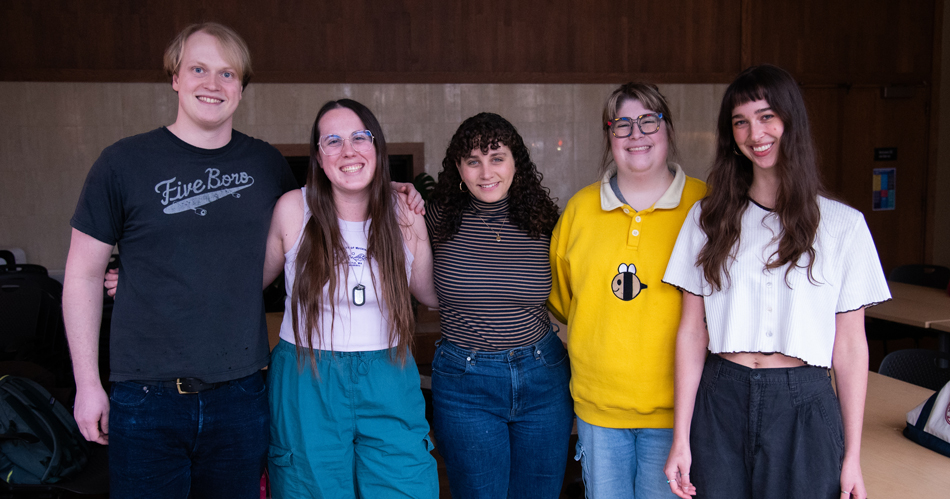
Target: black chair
{"x": 31, "y": 320}
{"x": 7, "y": 257}
{"x": 918, "y": 366}
{"x": 931, "y": 276}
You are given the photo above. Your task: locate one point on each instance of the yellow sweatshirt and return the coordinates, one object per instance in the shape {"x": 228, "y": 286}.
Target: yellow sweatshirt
{"x": 608, "y": 261}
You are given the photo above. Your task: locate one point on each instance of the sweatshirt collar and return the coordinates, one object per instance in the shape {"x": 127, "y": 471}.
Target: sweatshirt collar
{"x": 669, "y": 200}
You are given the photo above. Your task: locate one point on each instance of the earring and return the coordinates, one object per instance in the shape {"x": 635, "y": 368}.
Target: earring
{"x": 461, "y": 185}
{"x": 735, "y": 151}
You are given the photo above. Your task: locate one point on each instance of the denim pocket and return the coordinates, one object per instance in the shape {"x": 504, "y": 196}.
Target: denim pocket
{"x": 449, "y": 364}
{"x": 554, "y": 354}
{"x": 129, "y": 394}
{"x": 251, "y": 385}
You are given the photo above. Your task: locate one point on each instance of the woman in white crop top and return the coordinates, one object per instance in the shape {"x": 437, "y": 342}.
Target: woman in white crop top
{"x": 347, "y": 414}
{"x": 776, "y": 279}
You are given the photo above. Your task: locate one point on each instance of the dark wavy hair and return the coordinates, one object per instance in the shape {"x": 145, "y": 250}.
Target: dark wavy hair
{"x": 321, "y": 256}
{"x": 727, "y": 197}
{"x": 530, "y": 206}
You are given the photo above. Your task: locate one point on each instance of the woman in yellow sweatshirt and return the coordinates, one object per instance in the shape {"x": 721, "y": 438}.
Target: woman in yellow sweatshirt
{"x": 608, "y": 255}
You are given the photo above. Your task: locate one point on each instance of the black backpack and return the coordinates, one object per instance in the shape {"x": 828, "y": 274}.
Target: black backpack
{"x": 40, "y": 442}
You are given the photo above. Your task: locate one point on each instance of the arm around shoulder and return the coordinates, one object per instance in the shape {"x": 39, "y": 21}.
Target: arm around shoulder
{"x": 285, "y": 226}
{"x": 414, "y": 233}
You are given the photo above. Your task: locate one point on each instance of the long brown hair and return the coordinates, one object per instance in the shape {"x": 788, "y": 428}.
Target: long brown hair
{"x": 727, "y": 194}
{"x": 530, "y": 206}
{"x": 322, "y": 256}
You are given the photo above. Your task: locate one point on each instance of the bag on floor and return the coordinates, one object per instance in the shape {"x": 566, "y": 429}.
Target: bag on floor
{"x": 929, "y": 423}
{"x": 40, "y": 441}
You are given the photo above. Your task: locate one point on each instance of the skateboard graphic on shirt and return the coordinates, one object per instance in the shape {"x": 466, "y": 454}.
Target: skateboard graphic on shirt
{"x": 179, "y": 193}
{"x": 197, "y": 202}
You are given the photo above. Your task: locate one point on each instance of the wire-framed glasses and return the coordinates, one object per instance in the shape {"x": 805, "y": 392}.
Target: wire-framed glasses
{"x": 360, "y": 140}
{"x": 647, "y": 123}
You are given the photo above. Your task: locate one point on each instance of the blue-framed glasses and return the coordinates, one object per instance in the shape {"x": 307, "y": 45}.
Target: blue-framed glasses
{"x": 360, "y": 140}
{"x": 647, "y": 123}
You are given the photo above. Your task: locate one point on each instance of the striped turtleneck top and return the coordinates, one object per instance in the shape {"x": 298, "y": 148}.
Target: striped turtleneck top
{"x": 491, "y": 293}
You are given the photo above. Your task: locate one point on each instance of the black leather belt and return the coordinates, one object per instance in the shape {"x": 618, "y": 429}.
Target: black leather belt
{"x": 186, "y": 386}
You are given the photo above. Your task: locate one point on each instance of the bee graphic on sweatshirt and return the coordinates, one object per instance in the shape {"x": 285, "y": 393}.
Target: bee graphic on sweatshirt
{"x": 626, "y": 285}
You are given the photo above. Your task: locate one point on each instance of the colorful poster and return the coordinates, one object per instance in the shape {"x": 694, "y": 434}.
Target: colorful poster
{"x": 884, "y": 187}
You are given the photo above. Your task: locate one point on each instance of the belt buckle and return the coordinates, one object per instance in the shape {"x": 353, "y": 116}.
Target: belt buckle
{"x": 178, "y": 385}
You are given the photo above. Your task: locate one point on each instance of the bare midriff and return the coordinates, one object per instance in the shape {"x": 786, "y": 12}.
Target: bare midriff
{"x": 759, "y": 360}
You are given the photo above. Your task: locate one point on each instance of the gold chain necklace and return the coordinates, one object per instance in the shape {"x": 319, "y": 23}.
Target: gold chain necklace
{"x": 497, "y": 232}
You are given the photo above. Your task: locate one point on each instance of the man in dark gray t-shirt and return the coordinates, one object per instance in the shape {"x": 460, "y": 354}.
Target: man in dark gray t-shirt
{"x": 189, "y": 206}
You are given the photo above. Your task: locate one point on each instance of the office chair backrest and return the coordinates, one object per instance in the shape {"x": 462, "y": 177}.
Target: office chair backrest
{"x": 917, "y": 366}
{"x": 931, "y": 276}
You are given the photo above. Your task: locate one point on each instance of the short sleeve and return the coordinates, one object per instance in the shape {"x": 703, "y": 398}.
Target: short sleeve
{"x": 99, "y": 212}
{"x": 287, "y": 181}
{"x": 682, "y": 270}
{"x": 862, "y": 279}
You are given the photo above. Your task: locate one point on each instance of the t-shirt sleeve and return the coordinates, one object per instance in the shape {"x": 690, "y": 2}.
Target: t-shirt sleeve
{"x": 100, "y": 212}
{"x": 862, "y": 279}
{"x": 682, "y": 270}
{"x": 287, "y": 180}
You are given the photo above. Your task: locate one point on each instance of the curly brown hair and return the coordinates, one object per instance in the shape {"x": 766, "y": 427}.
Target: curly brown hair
{"x": 530, "y": 206}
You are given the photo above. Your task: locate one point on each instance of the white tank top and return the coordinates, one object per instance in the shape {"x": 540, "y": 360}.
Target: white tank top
{"x": 354, "y": 328}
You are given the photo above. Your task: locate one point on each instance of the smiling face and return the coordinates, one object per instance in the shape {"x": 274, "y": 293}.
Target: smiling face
{"x": 209, "y": 87}
{"x": 757, "y": 130}
{"x": 488, "y": 176}
{"x": 350, "y": 171}
{"x": 639, "y": 154}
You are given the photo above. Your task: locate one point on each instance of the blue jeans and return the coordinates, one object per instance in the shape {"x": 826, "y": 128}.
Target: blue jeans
{"x": 503, "y": 420}
{"x": 623, "y": 463}
{"x": 166, "y": 445}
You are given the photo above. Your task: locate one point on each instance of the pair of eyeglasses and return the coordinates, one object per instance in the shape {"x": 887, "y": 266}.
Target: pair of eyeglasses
{"x": 360, "y": 141}
{"x": 647, "y": 123}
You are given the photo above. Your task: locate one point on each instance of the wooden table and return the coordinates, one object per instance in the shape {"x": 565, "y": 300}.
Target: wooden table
{"x": 894, "y": 466}
{"x": 913, "y": 305}
{"x": 916, "y": 306}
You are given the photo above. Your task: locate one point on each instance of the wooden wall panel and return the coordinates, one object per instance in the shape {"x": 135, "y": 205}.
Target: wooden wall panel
{"x": 839, "y": 41}
{"x": 824, "y": 113}
{"x": 871, "y": 122}
{"x": 404, "y": 41}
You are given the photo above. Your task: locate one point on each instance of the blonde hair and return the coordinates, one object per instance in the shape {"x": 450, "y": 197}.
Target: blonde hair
{"x": 651, "y": 98}
{"x": 233, "y": 49}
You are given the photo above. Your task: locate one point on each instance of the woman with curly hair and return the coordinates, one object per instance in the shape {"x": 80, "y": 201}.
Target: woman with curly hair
{"x": 502, "y": 409}
{"x": 776, "y": 277}
{"x": 608, "y": 255}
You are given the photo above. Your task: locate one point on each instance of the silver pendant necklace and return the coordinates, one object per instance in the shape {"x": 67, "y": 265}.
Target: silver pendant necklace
{"x": 359, "y": 291}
